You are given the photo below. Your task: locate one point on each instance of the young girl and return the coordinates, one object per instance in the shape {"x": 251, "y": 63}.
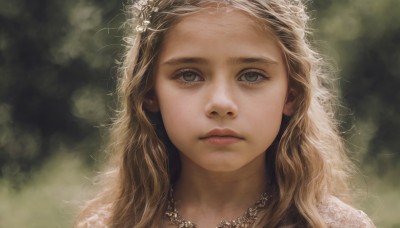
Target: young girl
{"x": 224, "y": 122}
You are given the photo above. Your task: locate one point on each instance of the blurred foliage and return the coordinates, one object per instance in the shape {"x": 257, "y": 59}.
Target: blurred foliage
{"x": 57, "y": 74}
{"x": 50, "y": 198}
{"x": 364, "y": 38}
{"x": 56, "y": 66}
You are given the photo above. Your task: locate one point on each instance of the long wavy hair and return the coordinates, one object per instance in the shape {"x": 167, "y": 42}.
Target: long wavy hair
{"x": 306, "y": 162}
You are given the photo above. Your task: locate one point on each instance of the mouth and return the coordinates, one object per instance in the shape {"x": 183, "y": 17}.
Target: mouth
{"x": 221, "y": 136}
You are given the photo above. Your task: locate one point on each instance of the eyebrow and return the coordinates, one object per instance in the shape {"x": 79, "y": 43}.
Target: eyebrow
{"x": 259, "y": 60}
{"x": 185, "y": 60}
{"x": 233, "y": 61}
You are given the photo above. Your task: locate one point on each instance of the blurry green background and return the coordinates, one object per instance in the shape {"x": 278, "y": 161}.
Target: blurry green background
{"x": 57, "y": 75}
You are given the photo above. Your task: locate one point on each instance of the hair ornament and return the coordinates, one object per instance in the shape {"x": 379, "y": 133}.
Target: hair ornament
{"x": 144, "y": 9}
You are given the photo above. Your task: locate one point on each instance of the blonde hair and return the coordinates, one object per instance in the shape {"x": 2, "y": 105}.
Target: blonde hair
{"x": 306, "y": 162}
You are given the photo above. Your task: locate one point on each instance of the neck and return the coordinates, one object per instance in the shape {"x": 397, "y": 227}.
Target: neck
{"x": 221, "y": 191}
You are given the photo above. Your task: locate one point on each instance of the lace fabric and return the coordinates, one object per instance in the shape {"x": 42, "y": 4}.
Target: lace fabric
{"x": 334, "y": 212}
{"x": 337, "y": 214}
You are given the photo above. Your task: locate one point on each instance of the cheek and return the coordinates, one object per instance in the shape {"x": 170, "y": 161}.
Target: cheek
{"x": 264, "y": 117}
{"x": 177, "y": 114}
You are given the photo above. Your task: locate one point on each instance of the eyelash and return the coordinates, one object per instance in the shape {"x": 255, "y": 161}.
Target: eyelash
{"x": 181, "y": 73}
{"x": 260, "y": 76}
{"x": 197, "y": 78}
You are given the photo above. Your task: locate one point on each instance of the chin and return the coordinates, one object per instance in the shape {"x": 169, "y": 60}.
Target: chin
{"x": 222, "y": 167}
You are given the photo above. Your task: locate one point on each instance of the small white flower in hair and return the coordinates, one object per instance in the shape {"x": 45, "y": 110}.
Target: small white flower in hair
{"x": 144, "y": 10}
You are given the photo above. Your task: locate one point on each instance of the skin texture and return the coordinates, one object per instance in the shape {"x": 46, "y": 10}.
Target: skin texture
{"x": 221, "y": 87}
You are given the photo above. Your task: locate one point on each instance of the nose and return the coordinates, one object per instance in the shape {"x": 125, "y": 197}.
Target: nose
{"x": 220, "y": 102}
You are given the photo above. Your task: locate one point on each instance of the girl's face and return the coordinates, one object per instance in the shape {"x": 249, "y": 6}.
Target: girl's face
{"x": 221, "y": 87}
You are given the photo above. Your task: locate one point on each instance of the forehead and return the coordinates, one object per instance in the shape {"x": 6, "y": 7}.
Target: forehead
{"x": 221, "y": 18}
{"x": 222, "y": 15}
{"x": 215, "y": 30}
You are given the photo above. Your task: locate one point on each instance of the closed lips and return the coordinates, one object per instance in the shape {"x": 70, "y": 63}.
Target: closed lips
{"x": 221, "y": 133}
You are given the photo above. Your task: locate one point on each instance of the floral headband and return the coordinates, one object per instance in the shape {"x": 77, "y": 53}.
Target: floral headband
{"x": 143, "y": 10}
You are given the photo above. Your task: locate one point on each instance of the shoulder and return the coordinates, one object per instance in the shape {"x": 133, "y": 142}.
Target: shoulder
{"x": 96, "y": 218}
{"x": 337, "y": 214}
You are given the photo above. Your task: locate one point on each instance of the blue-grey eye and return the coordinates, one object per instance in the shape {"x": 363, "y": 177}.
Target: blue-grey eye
{"x": 251, "y": 76}
{"x": 189, "y": 76}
